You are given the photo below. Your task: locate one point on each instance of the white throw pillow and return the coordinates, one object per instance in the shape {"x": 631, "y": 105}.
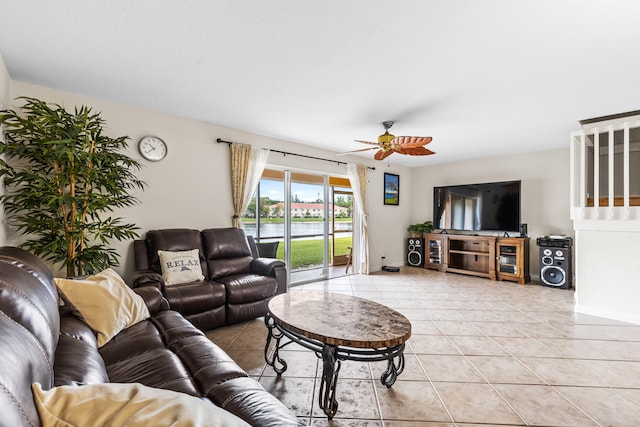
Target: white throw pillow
{"x": 180, "y": 267}
{"x": 131, "y": 405}
{"x": 104, "y": 302}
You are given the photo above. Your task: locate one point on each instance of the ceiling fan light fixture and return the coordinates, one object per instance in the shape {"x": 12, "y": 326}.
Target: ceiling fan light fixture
{"x": 385, "y": 138}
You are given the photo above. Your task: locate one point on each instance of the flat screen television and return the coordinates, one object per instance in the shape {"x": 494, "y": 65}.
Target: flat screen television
{"x": 493, "y": 206}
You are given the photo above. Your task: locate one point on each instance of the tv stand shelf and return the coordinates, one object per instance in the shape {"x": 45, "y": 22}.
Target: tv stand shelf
{"x": 471, "y": 255}
{"x": 496, "y": 258}
{"x": 452, "y": 251}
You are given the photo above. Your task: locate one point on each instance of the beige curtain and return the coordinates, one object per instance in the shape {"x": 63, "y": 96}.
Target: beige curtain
{"x": 247, "y": 165}
{"x": 358, "y": 178}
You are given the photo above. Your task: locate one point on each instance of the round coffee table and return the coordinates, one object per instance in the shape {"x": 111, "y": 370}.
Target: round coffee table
{"x": 336, "y": 327}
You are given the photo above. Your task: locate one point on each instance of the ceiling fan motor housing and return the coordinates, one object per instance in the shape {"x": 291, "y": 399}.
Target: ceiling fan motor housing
{"x": 385, "y": 139}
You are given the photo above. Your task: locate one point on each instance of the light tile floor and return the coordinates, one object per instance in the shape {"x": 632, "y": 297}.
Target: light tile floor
{"x": 482, "y": 353}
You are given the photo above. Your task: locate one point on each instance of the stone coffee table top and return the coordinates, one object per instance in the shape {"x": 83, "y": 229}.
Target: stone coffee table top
{"x": 340, "y": 320}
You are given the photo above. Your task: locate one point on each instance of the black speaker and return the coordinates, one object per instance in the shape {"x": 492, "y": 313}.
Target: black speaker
{"x": 555, "y": 267}
{"x": 415, "y": 252}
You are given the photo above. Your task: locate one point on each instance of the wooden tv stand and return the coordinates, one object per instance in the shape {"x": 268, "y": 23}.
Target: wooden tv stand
{"x": 496, "y": 258}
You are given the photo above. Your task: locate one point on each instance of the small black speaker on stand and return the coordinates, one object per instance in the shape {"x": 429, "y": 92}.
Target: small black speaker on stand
{"x": 523, "y": 230}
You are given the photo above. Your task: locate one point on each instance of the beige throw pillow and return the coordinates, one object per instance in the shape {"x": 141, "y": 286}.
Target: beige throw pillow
{"x": 104, "y": 302}
{"x": 180, "y": 267}
{"x": 132, "y": 405}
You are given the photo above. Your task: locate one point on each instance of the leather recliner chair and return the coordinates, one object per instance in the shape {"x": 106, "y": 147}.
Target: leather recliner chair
{"x": 237, "y": 284}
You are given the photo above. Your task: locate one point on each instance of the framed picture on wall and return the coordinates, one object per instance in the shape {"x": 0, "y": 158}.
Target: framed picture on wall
{"x": 391, "y": 189}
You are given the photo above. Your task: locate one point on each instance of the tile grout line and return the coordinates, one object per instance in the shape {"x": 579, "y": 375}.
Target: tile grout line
{"x": 576, "y": 406}
{"x": 375, "y": 394}
{"x": 435, "y": 390}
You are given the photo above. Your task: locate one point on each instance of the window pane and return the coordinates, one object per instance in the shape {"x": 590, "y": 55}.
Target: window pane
{"x": 265, "y": 219}
{"x": 271, "y": 209}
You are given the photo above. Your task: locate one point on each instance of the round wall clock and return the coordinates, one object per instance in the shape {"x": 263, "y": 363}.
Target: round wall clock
{"x": 152, "y": 148}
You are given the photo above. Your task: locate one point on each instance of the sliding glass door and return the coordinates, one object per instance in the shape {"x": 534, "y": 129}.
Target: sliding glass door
{"x": 341, "y": 227}
{"x": 309, "y": 215}
{"x": 309, "y": 228}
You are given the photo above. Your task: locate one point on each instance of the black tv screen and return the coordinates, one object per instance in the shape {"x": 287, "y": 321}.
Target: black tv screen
{"x": 493, "y": 206}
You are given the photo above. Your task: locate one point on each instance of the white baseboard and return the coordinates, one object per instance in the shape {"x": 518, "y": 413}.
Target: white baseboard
{"x": 622, "y": 317}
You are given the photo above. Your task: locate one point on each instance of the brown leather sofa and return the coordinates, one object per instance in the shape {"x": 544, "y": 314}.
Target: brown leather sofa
{"x": 237, "y": 283}
{"x": 165, "y": 351}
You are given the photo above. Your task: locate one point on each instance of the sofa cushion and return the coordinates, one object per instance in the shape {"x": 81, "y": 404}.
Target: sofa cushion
{"x": 248, "y": 310}
{"x": 225, "y": 243}
{"x": 195, "y": 297}
{"x": 104, "y": 302}
{"x": 228, "y": 267}
{"x": 243, "y": 288}
{"x": 208, "y": 363}
{"x": 161, "y": 369}
{"x": 172, "y": 327}
{"x": 127, "y": 404}
{"x": 139, "y": 354}
{"x": 180, "y": 266}
{"x": 210, "y": 319}
{"x": 226, "y": 251}
{"x": 139, "y": 338}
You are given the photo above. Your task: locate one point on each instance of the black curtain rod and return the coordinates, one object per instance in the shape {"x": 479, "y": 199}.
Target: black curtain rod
{"x": 222, "y": 141}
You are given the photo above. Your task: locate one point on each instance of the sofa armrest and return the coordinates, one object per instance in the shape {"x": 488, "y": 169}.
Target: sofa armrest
{"x": 152, "y": 298}
{"x": 266, "y": 266}
{"x": 149, "y": 278}
{"x": 273, "y": 268}
{"x": 281, "y": 279}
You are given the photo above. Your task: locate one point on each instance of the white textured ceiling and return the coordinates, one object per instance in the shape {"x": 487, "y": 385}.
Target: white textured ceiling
{"x": 482, "y": 78}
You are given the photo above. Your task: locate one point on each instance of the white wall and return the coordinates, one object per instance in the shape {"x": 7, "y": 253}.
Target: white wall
{"x": 607, "y": 270}
{"x": 191, "y": 186}
{"x": 544, "y": 198}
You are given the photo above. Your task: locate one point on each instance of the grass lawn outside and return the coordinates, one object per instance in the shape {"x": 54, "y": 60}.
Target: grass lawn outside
{"x": 306, "y": 253}
{"x": 309, "y": 252}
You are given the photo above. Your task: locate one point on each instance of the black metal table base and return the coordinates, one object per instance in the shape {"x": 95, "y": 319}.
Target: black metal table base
{"x": 331, "y": 356}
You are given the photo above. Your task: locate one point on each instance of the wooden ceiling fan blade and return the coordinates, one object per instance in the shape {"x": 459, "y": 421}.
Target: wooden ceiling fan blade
{"x": 411, "y": 141}
{"x": 367, "y": 142}
{"x": 357, "y": 151}
{"x": 381, "y": 155}
{"x": 415, "y": 151}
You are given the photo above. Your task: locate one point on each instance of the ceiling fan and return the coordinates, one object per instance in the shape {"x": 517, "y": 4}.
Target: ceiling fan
{"x": 388, "y": 144}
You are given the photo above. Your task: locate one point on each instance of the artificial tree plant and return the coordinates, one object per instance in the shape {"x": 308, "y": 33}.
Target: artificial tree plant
{"x": 63, "y": 177}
